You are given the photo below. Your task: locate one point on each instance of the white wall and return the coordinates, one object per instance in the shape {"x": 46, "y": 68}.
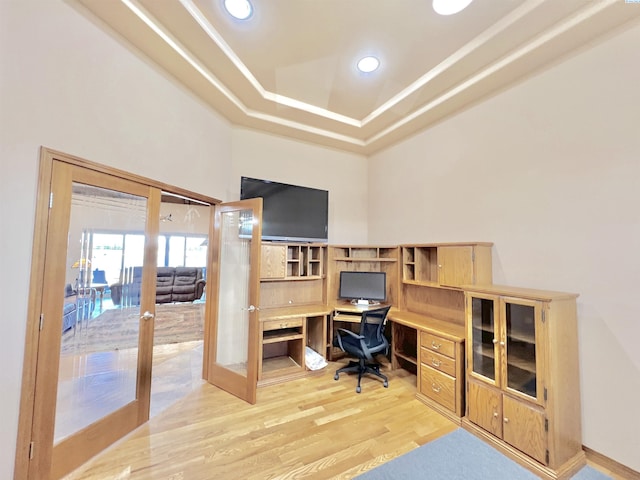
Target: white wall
{"x": 550, "y": 172}
{"x": 264, "y": 156}
{"x": 67, "y": 85}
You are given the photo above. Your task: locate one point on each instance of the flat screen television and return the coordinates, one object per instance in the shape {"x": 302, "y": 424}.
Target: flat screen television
{"x": 289, "y": 212}
{"x": 363, "y": 287}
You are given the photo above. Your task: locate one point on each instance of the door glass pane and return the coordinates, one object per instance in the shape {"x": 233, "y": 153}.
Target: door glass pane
{"x": 521, "y": 348}
{"x": 180, "y": 302}
{"x": 196, "y": 251}
{"x": 483, "y": 333}
{"x": 162, "y": 249}
{"x": 176, "y": 250}
{"x": 99, "y": 344}
{"x": 233, "y": 314}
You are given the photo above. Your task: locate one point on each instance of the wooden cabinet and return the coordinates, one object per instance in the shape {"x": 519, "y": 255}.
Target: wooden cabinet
{"x": 273, "y": 261}
{"x": 447, "y": 264}
{"x": 404, "y": 346}
{"x": 523, "y": 376}
{"x": 431, "y": 300}
{"x": 284, "y": 334}
{"x": 282, "y": 348}
{"x": 291, "y": 261}
{"x": 434, "y": 349}
{"x": 292, "y": 274}
{"x": 293, "y": 309}
{"x": 441, "y": 372}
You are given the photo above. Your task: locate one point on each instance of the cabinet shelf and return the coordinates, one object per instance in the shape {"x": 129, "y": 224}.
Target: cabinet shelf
{"x": 364, "y": 259}
{"x": 527, "y": 364}
{"x": 520, "y": 379}
{"x": 281, "y": 336}
{"x": 524, "y": 337}
{"x": 279, "y": 366}
{"x": 522, "y": 363}
{"x": 293, "y": 279}
{"x": 421, "y": 283}
{"x": 409, "y": 358}
{"x": 291, "y": 261}
{"x": 483, "y": 329}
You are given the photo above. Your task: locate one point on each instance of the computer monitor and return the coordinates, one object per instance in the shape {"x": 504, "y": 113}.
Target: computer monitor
{"x": 363, "y": 287}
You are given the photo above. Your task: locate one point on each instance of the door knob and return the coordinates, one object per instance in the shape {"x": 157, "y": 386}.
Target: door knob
{"x": 147, "y": 315}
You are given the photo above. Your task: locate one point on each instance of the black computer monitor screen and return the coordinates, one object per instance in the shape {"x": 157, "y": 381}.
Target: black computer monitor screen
{"x": 361, "y": 286}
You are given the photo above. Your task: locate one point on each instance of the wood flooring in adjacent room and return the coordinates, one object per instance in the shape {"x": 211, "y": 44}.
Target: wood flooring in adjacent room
{"x": 314, "y": 427}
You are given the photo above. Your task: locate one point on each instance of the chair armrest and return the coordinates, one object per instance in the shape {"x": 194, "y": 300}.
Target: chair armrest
{"x": 349, "y": 332}
{"x": 363, "y": 345}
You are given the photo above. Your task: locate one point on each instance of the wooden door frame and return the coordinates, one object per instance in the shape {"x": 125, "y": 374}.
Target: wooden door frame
{"x": 24, "y": 448}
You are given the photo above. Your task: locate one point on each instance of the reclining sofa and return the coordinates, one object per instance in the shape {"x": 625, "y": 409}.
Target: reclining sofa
{"x": 173, "y": 284}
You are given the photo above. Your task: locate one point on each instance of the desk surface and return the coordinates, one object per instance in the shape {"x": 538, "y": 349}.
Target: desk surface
{"x": 294, "y": 311}
{"x": 348, "y": 307}
{"x": 418, "y": 321}
{"x": 410, "y": 319}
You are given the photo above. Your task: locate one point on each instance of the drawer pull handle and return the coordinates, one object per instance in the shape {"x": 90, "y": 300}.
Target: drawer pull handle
{"x": 435, "y": 388}
{"x": 506, "y": 420}
{"x": 435, "y": 362}
{"x": 435, "y": 346}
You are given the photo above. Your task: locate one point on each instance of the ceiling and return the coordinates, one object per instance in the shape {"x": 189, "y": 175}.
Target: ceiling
{"x": 290, "y": 68}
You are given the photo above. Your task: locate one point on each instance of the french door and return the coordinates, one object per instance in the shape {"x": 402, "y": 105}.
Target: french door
{"x": 93, "y": 368}
{"x": 233, "y": 340}
{"x": 89, "y": 343}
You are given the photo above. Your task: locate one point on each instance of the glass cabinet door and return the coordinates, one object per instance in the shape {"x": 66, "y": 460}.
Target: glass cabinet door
{"x": 483, "y": 337}
{"x": 520, "y": 329}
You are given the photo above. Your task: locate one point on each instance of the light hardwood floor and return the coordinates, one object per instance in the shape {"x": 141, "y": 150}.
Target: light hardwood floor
{"x": 309, "y": 428}
{"x": 313, "y": 427}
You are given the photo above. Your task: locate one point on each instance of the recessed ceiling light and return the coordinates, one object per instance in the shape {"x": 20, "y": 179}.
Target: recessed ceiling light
{"x": 449, "y": 7}
{"x": 368, "y": 64}
{"x": 240, "y": 9}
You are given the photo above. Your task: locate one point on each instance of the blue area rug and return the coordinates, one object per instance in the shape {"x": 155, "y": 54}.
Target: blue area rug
{"x": 460, "y": 455}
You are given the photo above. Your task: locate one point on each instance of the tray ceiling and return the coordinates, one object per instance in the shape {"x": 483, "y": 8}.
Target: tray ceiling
{"x": 290, "y": 68}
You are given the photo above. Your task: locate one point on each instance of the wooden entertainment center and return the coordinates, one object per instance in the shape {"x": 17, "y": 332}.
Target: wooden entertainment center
{"x": 465, "y": 358}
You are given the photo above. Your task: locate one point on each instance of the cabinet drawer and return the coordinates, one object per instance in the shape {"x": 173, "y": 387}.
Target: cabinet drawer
{"x": 438, "y": 361}
{"x": 282, "y": 323}
{"x": 438, "y": 386}
{"x": 438, "y": 344}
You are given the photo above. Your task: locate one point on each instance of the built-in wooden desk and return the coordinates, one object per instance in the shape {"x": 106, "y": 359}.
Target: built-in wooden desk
{"x": 435, "y": 349}
{"x": 345, "y": 313}
{"x": 284, "y": 333}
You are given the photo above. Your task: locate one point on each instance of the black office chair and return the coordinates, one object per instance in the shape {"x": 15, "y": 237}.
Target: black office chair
{"x": 364, "y": 345}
